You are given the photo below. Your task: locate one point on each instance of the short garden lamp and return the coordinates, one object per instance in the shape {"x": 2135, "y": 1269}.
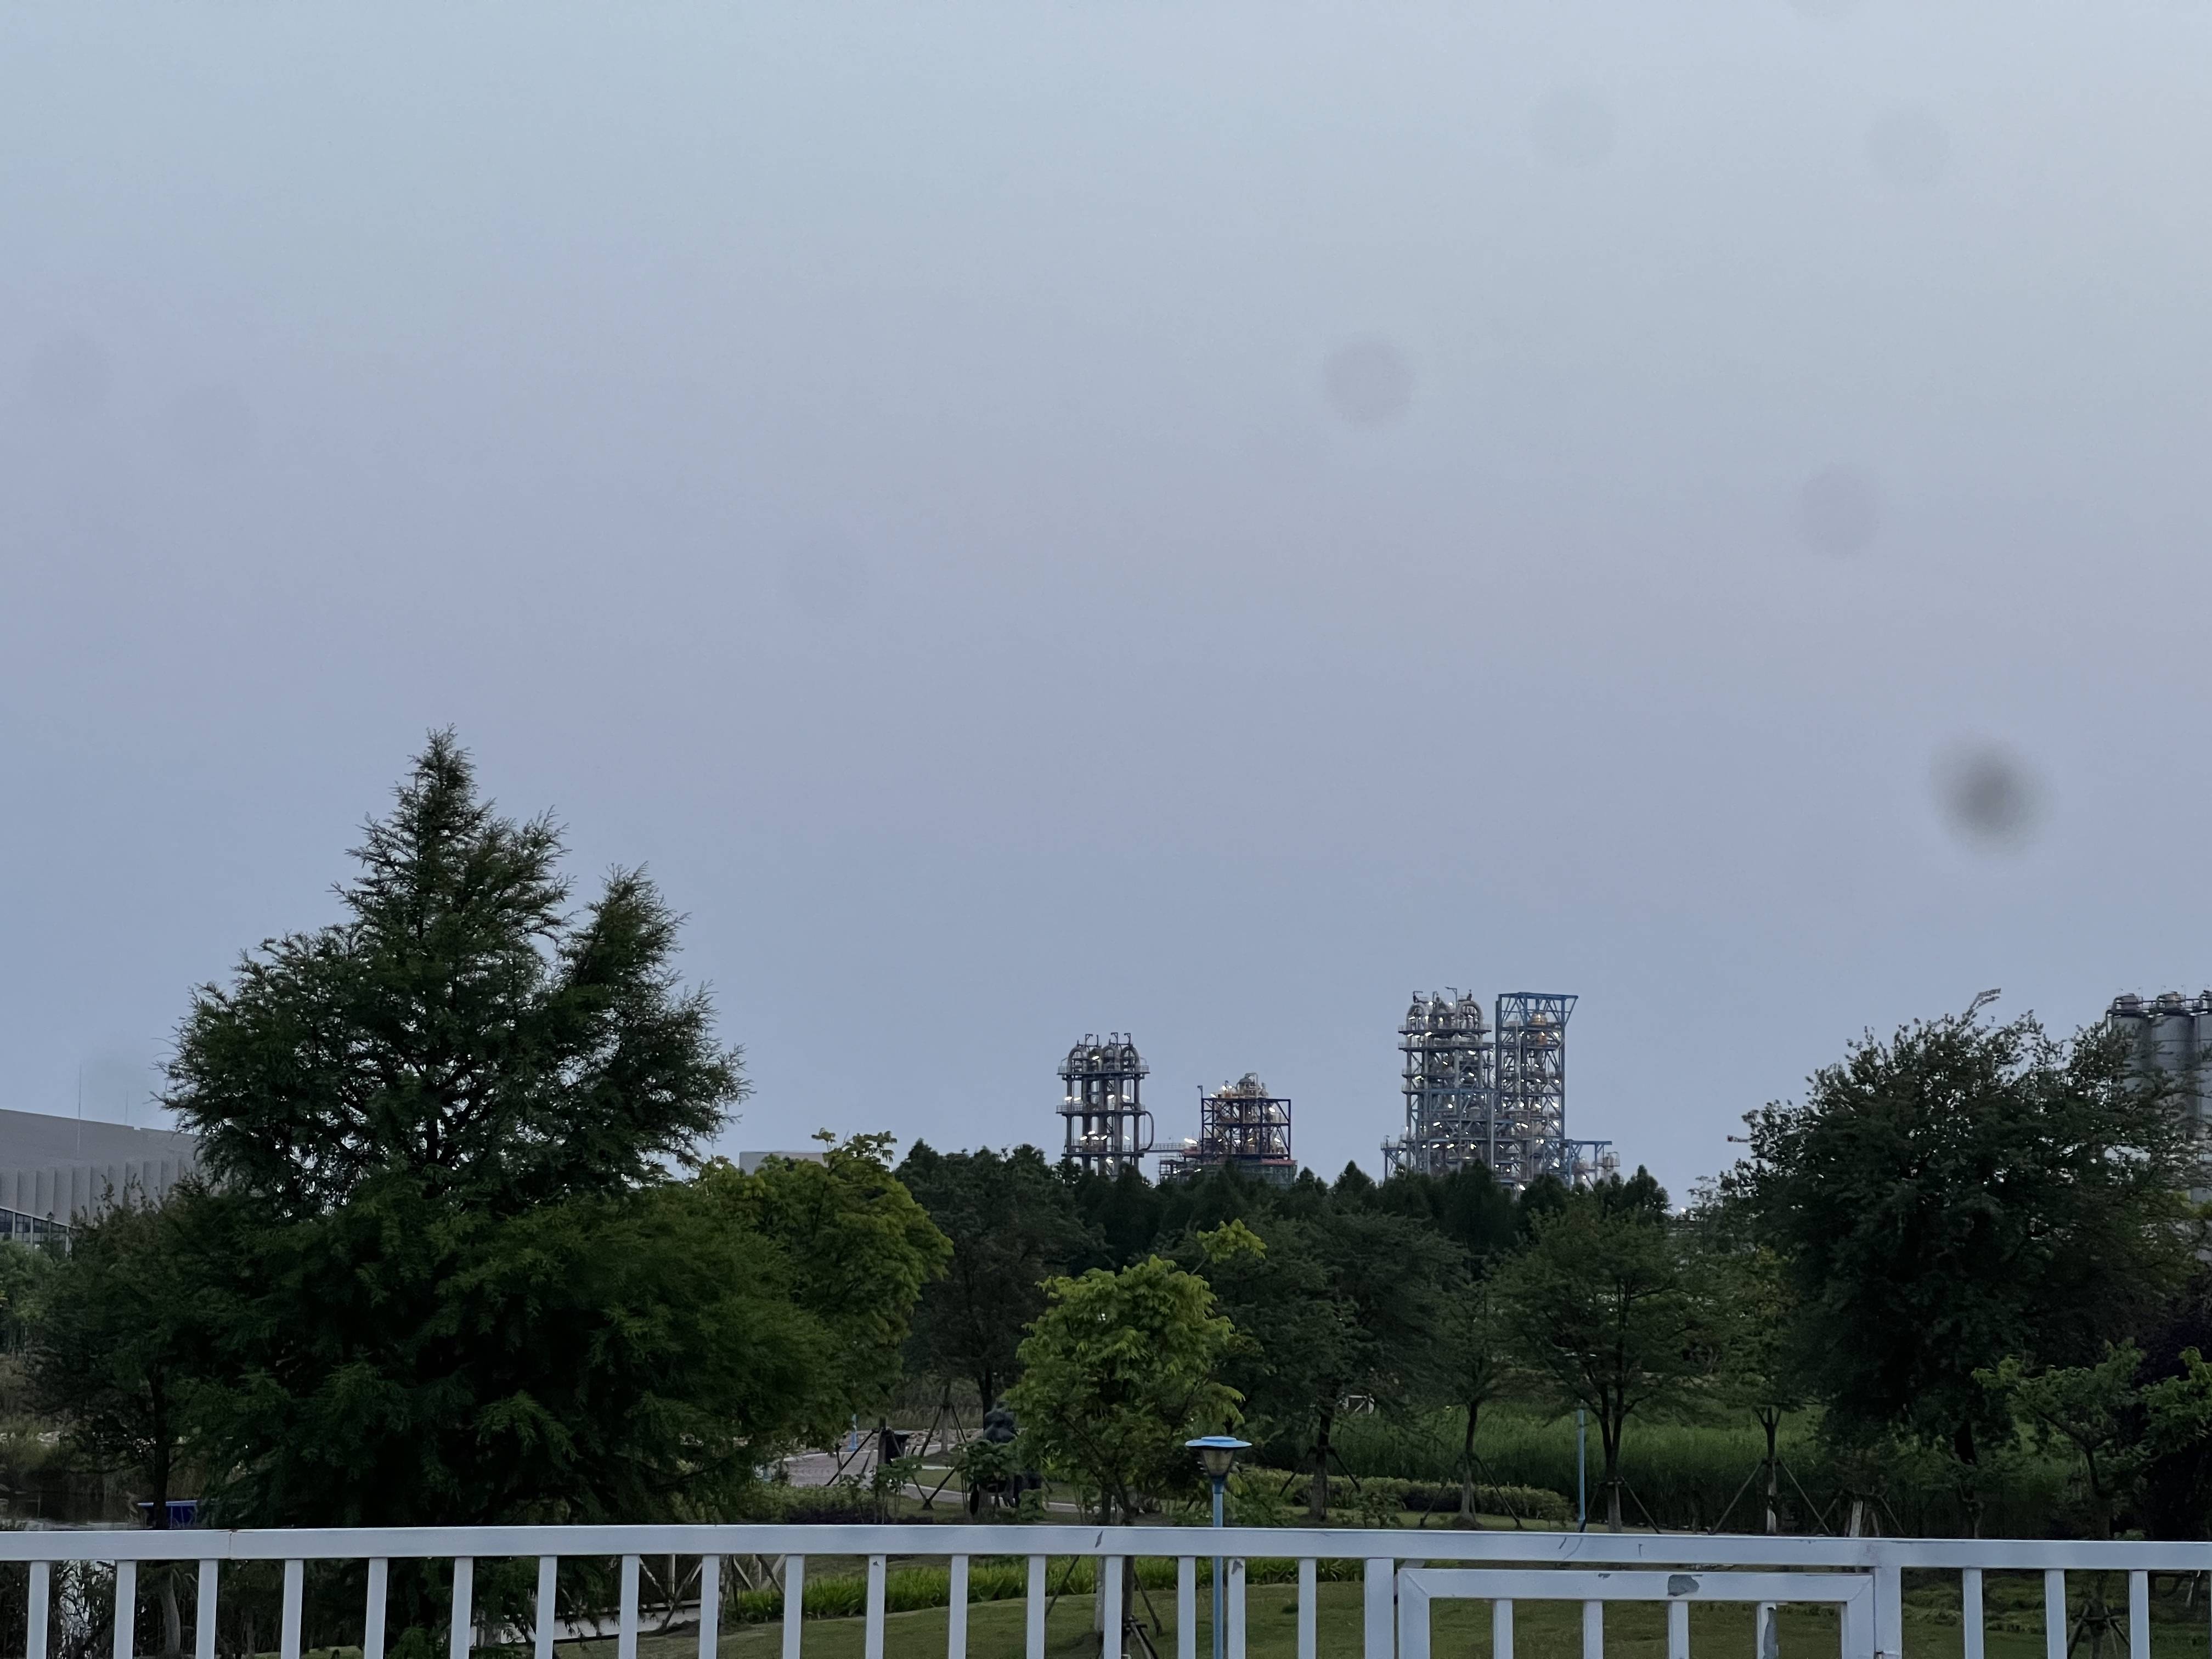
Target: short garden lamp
{"x": 1217, "y": 1452}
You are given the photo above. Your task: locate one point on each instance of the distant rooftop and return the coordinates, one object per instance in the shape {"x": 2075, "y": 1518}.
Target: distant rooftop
{"x": 37, "y": 1139}
{"x": 56, "y": 1170}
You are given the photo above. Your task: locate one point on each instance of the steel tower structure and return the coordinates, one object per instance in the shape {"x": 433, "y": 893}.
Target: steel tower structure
{"x": 1108, "y": 1130}
{"x": 1529, "y": 1128}
{"x": 1242, "y": 1128}
{"x": 1494, "y": 1095}
{"x": 1449, "y": 1085}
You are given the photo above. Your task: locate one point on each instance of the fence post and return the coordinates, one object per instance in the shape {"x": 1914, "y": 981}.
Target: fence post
{"x": 1889, "y": 1612}
{"x": 872, "y": 1636}
{"x": 1186, "y": 1607}
{"x": 36, "y": 1614}
{"x": 1501, "y": 1629}
{"x": 794, "y": 1602}
{"x": 955, "y": 1613}
{"x": 1032, "y": 1612}
{"x": 2138, "y": 1615}
{"x": 463, "y": 1627}
{"x": 1971, "y": 1627}
{"x": 126, "y": 1609}
{"x": 710, "y": 1606}
{"x": 1111, "y": 1645}
{"x": 203, "y": 1617}
{"x": 1236, "y": 1648}
{"x": 549, "y": 1571}
{"x": 1309, "y": 1608}
{"x": 1678, "y": 1629}
{"x": 372, "y": 1615}
{"x": 1592, "y": 1630}
{"x": 295, "y": 1592}
{"x": 2054, "y": 1613}
{"x": 625, "y": 1612}
{"x": 1381, "y": 1624}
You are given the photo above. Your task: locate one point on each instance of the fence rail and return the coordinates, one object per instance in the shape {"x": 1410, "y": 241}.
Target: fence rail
{"x": 1401, "y": 1573}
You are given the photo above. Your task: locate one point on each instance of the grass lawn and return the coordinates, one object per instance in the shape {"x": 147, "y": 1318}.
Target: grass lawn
{"x": 1542, "y": 1630}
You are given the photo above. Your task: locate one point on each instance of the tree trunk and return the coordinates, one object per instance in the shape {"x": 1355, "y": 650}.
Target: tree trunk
{"x": 157, "y": 1471}
{"x": 1466, "y": 1466}
{"x": 1608, "y": 1434}
{"x": 1317, "y": 1494}
{"x": 1770, "y": 1420}
{"x": 172, "y": 1623}
{"x": 1970, "y": 1483}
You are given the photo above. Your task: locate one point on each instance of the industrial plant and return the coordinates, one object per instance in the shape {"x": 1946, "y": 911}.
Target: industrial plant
{"x": 2174, "y": 1033}
{"x": 1478, "y": 1090}
{"x": 1108, "y": 1130}
{"x": 1492, "y": 1093}
{"x": 1241, "y": 1127}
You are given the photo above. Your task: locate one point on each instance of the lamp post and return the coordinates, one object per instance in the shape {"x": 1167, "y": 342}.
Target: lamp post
{"x": 1216, "y": 1453}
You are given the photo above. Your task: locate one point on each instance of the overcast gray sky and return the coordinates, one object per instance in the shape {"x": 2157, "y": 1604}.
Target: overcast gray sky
{"x": 1197, "y": 518}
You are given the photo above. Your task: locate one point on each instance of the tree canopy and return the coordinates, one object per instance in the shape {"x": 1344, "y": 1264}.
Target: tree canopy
{"x": 1013, "y": 1225}
{"x": 1612, "y": 1309}
{"x": 459, "y": 1027}
{"x": 1961, "y": 1192}
{"x": 1118, "y": 1372}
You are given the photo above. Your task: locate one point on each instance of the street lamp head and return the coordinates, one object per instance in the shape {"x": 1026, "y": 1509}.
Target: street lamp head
{"x": 1218, "y": 1452}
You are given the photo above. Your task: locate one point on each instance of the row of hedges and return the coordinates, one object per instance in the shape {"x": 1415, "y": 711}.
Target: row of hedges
{"x": 1367, "y": 1493}
{"x": 1685, "y": 1475}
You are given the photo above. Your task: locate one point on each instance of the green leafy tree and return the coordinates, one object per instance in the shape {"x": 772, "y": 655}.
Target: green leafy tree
{"x": 1473, "y": 1363}
{"x": 1758, "y": 1369}
{"x": 1611, "y": 1308}
{"x": 1963, "y": 1192}
{"x": 1013, "y": 1225}
{"x": 115, "y": 1342}
{"x": 460, "y": 1027}
{"x": 859, "y": 1250}
{"x": 454, "y": 1271}
{"x": 1467, "y": 1205}
{"x": 2101, "y": 1415}
{"x": 404, "y": 1361}
{"x": 23, "y": 1276}
{"x": 1117, "y": 1373}
{"x": 1344, "y": 1304}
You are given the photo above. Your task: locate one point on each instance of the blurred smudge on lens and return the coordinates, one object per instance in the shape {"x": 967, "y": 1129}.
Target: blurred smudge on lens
{"x": 1368, "y": 383}
{"x": 1571, "y": 127}
{"x": 1989, "y": 797}
{"x": 68, "y": 377}
{"x": 1838, "y": 510}
{"x": 1909, "y": 147}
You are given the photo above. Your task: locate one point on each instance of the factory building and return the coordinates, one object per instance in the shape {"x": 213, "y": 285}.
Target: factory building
{"x": 2174, "y": 1033}
{"x": 1108, "y": 1129}
{"x": 1492, "y": 1092}
{"x": 56, "y": 1171}
{"x": 1241, "y": 1127}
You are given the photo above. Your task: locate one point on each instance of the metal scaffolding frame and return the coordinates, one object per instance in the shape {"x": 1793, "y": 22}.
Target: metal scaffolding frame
{"x": 1107, "y": 1128}
{"x": 1241, "y": 1127}
{"x": 1491, "y": 1093}
{"x": 1449, "y": 1085}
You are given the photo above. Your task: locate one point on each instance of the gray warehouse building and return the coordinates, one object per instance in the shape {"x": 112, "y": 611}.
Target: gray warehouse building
{"x": 54, "y": 1170}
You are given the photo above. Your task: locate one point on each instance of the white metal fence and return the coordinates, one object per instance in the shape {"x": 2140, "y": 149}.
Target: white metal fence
{"x": 1402, "y": 1573}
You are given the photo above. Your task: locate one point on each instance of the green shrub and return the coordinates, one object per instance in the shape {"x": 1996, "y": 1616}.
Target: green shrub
{"x": 1370, "y": 1496}
{"x": 1685, "y": 1474}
